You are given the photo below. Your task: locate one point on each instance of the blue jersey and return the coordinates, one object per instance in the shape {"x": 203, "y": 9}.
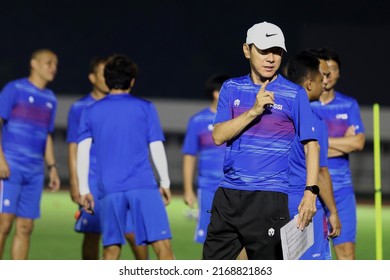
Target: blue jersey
{"x": 297, "y": 171}
{"x": 28, "y": 113}
{"x": 122, "y": 126}
{"x": 342, "y": 112}
{"x": 74, "y": 116}
{"x": 199, "y": 142}
{"x": 258, "y": 158}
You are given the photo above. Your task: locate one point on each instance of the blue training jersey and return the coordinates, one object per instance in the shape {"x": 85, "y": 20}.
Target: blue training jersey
{"x": 258, "y": 158}
{"x": 297, "y": 161}
{"x": 74, "y": 116}
{"x": 199, "y": 142}
{"x": 342, "y": 112}
{"x": 122, "y": 126}
{"x": 28, "y": 113}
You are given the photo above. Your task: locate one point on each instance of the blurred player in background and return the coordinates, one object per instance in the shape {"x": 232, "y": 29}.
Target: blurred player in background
{"x": 87, "y": 223}
{"x": 202, "y": 156}
{"x": 27, "y": 115}
{"x": 304, "y": 69}
{"x": 124, "y": 129}
{"x": 341, "y": 114}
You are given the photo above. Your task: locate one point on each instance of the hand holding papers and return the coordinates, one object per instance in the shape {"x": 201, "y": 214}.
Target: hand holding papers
{"x": 295, "y": 242}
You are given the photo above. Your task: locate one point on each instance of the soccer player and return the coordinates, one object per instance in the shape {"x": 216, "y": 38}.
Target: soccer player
{"x": 86, "y": 223}
{"x": 27, "y": 115}
{"x": 341, "y": 114}
{"x": 201, "y": 154}
{"x": 123, "y": 129}
{"x": 304, "y": 69}
{"x": 257, "y": 117}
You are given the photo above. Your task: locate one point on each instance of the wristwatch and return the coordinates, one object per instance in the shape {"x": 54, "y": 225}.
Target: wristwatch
{"x": 314, "y": 189}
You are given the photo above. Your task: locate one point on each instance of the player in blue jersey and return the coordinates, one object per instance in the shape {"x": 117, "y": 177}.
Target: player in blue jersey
{"x": 341, "y": 114}
{"x": 124, "y": 129}
{"x": 86, "y": 223}
{"x": 202, "y": 155}
{"x": 304, "y": 69}
{"x": 258, "y": 116}
{"x": 27, "y": 114}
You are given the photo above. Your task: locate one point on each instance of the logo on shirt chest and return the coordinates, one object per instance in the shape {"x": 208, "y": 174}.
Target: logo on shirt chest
{"x": 342, "y": 116}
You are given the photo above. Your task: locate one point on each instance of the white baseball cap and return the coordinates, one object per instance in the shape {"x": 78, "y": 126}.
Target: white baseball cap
{"x": 265, "y": 35}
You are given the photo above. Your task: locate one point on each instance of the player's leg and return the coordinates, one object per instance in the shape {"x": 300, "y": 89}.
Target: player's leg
{"x": 28, "y": 210}
{"x": 140, "y": 252}
{"x": 9, "y": 193}
{"x": 150, "y": 219}
{"x": 345, "y": 251}
{"x": 112, "y": 252}
{"x": 113, "y": 210}
{"x": 163, "y": 249}
{"x": 205, "y": 201}
{"x": 6, "y": 221}
{"x": 90, "y": 246}
{"x": 90, "y": 225}
{"x": 344, "y": 244}
{"x": 21, "y": 241}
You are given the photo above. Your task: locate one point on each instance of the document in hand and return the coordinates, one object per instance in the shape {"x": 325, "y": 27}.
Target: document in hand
{"x": 295, "y": 242}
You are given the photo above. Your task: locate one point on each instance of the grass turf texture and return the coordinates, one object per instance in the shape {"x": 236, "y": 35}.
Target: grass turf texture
{"x": 54, "y": 238}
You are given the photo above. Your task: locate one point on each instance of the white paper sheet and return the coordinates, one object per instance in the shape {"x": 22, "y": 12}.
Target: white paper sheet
{"x": 295, "y": 242}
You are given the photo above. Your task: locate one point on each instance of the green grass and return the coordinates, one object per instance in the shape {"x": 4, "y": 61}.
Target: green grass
{"x": 54, "y": 238}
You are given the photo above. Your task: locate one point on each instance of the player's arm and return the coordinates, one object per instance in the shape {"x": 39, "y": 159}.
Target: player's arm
{"x": 82, "y": 163}
{"x": 346, "y": 144}
{"x": 307, "y": 207}
{"x": 189, "y": 164}
{"x": 159, "y": 159}
{"x": 227, "y": 130}
{"x": 72, "y": 166}
{"x": 4, "y": 168}
{"x": 54, "y": 180}
{"x": 326, "y": 194}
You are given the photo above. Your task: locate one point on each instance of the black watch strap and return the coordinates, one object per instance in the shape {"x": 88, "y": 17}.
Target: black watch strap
{"x": 314, "y": 189}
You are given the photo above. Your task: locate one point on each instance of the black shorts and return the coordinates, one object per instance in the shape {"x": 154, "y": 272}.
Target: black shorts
{"x": 250, "y": 219}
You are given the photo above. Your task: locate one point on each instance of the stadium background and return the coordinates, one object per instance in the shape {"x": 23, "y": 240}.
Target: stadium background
{"x": 178, "y": 45}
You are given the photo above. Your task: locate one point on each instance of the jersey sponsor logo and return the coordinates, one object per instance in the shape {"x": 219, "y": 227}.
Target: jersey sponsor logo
{"x": 277, "y": 106}
{"x": 342, "y": 116}
{"x": 237, "y": 102}
{"x": 270, "y": 35}
{"x": 313, "y": 128}
{"x": 7, "y": 202}
{"x": 31, "y": 99}
{"x": 210, "y": 127}
{"x": 49, "y": 105}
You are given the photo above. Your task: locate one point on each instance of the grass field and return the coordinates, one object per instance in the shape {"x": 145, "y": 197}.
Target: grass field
{"x": 54, "y": 238}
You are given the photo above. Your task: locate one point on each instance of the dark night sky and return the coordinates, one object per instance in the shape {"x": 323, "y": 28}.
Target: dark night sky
{"x": 179, "y": 44}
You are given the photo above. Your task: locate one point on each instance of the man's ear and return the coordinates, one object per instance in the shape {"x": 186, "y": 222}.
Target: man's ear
{"x": 247, "y": 51}
{"x": 92, "y": 78}
{"x": 132, "y": 82}
{"x": 308, "y": 85}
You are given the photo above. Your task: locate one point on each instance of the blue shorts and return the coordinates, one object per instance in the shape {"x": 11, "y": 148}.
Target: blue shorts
{"x": 205, "y": 200}
{"x": 147, "y": 211}
{"x": 21, "y": 194}
{"x": 320, "y": 250}
{"x": 346, "y": 208}
{"x": 88, "y": 223}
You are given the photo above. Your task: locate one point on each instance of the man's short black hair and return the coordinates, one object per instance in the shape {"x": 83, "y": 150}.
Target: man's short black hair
{"x": 95, "y": 62}
{"x": 301, "y": 67}
{"x": 215, "y": 83}
{"x": 329, "y": 54}
{"x": 119, "y": 72}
